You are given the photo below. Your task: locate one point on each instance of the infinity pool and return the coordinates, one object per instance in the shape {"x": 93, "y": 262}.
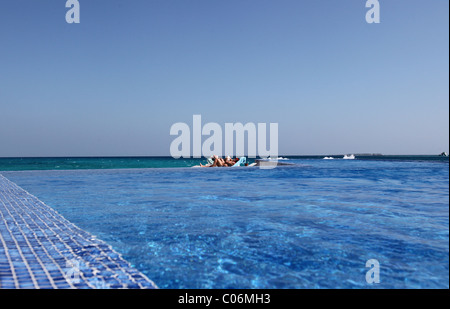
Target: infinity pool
{"x": 311, "y": 225}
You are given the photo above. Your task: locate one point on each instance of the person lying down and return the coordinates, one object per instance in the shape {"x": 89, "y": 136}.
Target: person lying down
{"x": 215, "y": 161}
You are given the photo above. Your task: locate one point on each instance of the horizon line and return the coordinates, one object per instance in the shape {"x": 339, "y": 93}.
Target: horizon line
{"x": 168, "y": 156}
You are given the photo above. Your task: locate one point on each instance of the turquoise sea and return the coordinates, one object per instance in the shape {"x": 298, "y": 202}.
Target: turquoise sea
{"x": 71, "y": 163}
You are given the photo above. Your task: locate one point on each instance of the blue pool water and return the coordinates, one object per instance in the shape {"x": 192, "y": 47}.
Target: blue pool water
{"x": 312, "y": 225}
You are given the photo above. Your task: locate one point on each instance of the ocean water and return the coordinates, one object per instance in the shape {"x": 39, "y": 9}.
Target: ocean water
{"x": 67, "y": 163}
{"x": 75, "y": 163}
{"x": 310, "y": 225}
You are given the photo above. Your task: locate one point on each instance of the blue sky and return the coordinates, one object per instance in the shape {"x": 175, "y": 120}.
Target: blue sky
{"x": 115, "y": 83}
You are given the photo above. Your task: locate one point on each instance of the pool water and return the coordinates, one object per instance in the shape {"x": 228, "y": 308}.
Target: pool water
{"x": 311, "y": 225}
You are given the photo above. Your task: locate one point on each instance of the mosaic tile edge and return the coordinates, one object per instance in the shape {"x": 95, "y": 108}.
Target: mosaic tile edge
{"x": 40, "y": 249}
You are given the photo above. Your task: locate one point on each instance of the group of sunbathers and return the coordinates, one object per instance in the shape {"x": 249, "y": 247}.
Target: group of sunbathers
{"x": 215, "y": 161}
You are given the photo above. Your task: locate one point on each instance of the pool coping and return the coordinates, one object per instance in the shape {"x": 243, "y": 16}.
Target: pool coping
{"x": 40, "y": 249}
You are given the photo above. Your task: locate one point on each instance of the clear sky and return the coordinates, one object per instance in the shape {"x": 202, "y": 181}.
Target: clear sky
{"x": 115, "y": 83}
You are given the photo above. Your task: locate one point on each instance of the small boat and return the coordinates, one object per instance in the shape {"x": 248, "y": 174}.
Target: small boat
{"x": 349, "y": 157}
{"x": 443, "y": 154}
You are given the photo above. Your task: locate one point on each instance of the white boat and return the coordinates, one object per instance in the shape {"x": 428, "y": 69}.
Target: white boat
{"x": 349, "y": 157}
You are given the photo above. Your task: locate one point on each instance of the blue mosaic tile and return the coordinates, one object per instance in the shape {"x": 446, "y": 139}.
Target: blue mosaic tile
{"x": 40, "y": 249}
